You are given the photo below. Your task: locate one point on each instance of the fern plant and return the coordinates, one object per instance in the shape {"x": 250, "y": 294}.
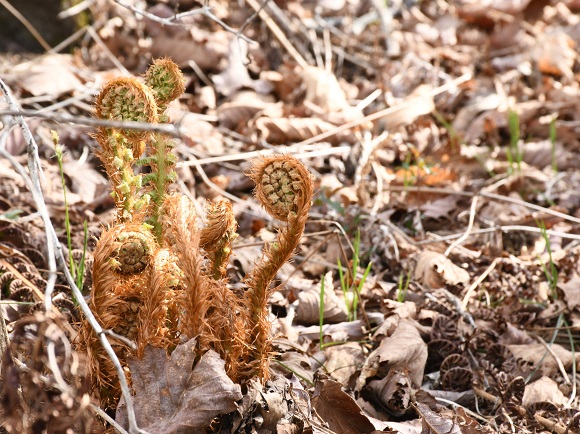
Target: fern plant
{"x": 159, "y": 271}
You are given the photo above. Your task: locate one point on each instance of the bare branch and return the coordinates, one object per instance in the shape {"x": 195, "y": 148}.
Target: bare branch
{"x": 171, "y": 129}
{"x": 176, "y": 19}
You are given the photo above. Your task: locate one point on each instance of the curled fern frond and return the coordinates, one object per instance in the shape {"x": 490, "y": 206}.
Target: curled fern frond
{"x": 217, "y": 237}
{"x": 166, "y": 80}
{"x": 127, "y": 99}
{"x": 284, "y": 189}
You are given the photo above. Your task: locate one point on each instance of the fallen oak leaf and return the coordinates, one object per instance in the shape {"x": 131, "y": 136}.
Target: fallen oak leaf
{"x": 433, "y": 423}
{"x": 338, "y": 409}
{"x": 403, "y": 348}
{"x": 434, "y": 270}
{"x": 171, "y": 398}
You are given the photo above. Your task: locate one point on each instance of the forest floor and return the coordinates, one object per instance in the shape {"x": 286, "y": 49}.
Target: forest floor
{"x": 443, "y": 139}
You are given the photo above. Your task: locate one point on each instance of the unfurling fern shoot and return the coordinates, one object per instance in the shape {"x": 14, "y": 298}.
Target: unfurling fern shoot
{"x": 284, "y": 189}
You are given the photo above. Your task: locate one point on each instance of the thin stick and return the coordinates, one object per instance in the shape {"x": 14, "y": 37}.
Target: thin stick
{"x": 169, "y": 129}
{"x": 93, "y": 34}
{"x": 75, "y": 10}
{"x": 556, "y": 358}
{"x": 483, "y": 194}
{"x": 108, "y": 419}
{"x": 477, "y": 282}
{"x": 175, "y": 20}
{"x": 513, "y": 228}
{"x": 388, "y": 111}
{"x": 266, "y": 152}
{"x": 278, "y": 33}
{"x": 26, "y": 24}
{"x": 3, "y": 335}
{"x": 465, "y": 235}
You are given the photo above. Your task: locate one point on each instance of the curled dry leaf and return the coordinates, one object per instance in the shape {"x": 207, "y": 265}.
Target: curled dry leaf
{"x": 434, "y": 423}
{"x": 404, "y": 348}
{"x": 393, "y": 393}
{"x": 571, "y": 291}
{"x": 434, "y": 270}
{"x": 533, "y": 354}
{"x": 308, "y": 310}
{"x": 338, "y": 409}
{"x": 170, "y": 397}
{"x": 543, "y": 390}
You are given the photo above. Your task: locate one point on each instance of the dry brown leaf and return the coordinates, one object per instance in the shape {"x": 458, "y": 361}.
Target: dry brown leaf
{"x": 200, "y": 133}
{"x": 343, "y": 331}
{"x": 338, "y": 409}
{"x": 485, "y": 12}
{"x": 343, "y": 360}
{"x": 571, "y": 291}
{"x": 393, "y": 393}
{"x": 297, "y": 363}
{"x": 533, "y": 354}
{"x": 204, "y": 47}
{"x": 470, "y": 120}
{"x": 284, "y": 130}
{"x": 51, "y": 75}
{"x": 170, "y": 397}
{"x": 274, "y": 406}
{"x": 236, "y": 76}
{"x": 440, "y": 208}
{"x": 514, "y": 335}
{"x": 326, "y": 97}
{"x": 404, "y": 348}
{"x": 435, "y": 270}
{"x": 308, "y": 310}
{"x": 504, "y": 213}
{"x": 555, "y": 54}
{"x": 423, "y": 105}
{"x": 323, "y": 89}
{"x": 434, "y": 423}
{"x": 243, "y": 106}
{"x": 539, "y": 154}
{"x": 85, "y": 180}
{"x": 543, "y": 390}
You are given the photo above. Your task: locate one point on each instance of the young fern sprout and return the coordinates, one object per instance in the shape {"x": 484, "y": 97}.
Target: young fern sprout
{"x": 124, "y": 99}
{"x": 159, "y": 273}
{"x": 217, "y": 237}
{"x": 166, "y": 83}
{"x": 284, "y": 189}
{"x": 133, "y": 276}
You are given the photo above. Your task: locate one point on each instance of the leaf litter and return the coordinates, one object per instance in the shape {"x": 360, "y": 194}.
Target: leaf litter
{"x": 470, "y": 317}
